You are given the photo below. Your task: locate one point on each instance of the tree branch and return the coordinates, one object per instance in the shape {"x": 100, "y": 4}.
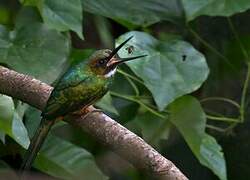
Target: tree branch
{"x": 100, "y": 126}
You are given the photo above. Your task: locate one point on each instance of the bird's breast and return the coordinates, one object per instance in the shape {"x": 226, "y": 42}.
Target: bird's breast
{"x": 85, "y": 90}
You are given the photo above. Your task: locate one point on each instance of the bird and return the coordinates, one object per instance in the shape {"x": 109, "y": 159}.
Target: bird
{"x": 82, "y": 85}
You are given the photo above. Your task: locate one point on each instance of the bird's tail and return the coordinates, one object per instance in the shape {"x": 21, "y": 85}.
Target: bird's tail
{"x": 36, "y": 143}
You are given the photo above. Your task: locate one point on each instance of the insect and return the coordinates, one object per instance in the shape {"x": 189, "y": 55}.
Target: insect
{"x": 184, "y": 57}
{"x": 130, "y": 49}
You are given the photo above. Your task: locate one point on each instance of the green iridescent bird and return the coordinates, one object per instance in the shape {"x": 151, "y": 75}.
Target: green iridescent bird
{"x": 81, "y": 86}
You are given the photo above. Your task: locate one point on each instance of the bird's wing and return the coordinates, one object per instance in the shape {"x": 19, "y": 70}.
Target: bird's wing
{"x": 71, "y": 78}
{"x": 58, "y": 103}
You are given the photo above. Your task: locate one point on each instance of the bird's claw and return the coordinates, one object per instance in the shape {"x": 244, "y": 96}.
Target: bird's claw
{"x": 85, "y": 112}
{"x": 91, "y": 112}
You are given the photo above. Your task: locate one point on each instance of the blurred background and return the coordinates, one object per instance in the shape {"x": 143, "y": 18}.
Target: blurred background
{"x": 189, "y": 98}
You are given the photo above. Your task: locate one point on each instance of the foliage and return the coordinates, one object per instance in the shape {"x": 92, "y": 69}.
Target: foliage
{"x": 66, "y": 160}
{"x": 192, "y": 127}
{"x": 149, "y": 96}
{"x": 163, "y": 69}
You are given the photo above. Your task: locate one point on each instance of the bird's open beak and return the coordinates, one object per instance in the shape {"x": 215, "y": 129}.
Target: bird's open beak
{"x": 114, "y": 61}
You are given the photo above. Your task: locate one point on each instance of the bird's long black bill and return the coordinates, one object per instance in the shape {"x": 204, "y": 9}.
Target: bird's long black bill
{"x": 114, "y": 52}
{"x": 122, "y": 60}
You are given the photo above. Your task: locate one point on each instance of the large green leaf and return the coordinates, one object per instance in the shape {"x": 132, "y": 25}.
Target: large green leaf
{"x": 148, "y": 12}
{"x": 153, "y": 128}
{"x": 135, "y": 11}
{"x": 194, "y": 8}
{"x": 188, "y": 116}
{"x": 171, "y": 69}
{"x": 11, "y": 121}
{"x": 106, "y": 104}
{"x": 61, "y": 15}
{"x": 27, "y": 15}
{"x": 34, "y": 49}
{"x": 64, "y": 160}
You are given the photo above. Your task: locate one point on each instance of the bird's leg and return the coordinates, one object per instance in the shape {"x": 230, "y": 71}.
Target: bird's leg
{"x": 91, "y": 112}
{"x": 86, "y": 112}
{"x": 60, "y": 118}
{"x": 82, "y": 111}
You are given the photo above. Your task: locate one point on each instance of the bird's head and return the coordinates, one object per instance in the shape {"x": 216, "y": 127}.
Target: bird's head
{"x": 104, "y": 62}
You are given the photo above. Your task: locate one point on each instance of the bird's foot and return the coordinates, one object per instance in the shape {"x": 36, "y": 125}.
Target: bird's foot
{"x": 60, "y": 118}
{"x": 96, "y": 110}
{"x": 82, "y": 111}
{"x": 92, "y": 112}
{"x": 85, "y": 112}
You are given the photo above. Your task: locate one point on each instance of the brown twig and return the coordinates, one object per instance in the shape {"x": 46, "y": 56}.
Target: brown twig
{"x": 122, "y": 141}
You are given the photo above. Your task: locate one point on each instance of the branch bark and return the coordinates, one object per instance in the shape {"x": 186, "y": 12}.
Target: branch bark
{"x": 122, "y": 141}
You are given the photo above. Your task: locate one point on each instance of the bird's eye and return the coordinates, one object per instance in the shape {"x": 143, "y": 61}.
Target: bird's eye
{"x": 102, "y": 61}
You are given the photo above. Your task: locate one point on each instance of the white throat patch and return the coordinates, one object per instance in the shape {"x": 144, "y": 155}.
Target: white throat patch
{"x": 110, "y": 73}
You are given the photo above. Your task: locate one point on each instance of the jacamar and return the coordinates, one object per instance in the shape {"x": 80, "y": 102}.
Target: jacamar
{"x": 81, "y": 86}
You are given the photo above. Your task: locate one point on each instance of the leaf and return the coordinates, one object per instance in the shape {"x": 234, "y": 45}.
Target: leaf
{"x": 5, "y": 15}
{"x": 64, "y": 160}
{"x": 153, "y": 128}
{"x": 106, "y": 104}
{"x": 147, "y": 12}
{"x": 78, "y": 55}
{"x": 62, "y": 15}
{"x": 2, "y": 136}
{"x": 189, "y": 118}
{"x": 29, "y": 2}
{"x": 127, "y": 109}
{"x": 35, "y": 50}
{"x": 164, "y": 71}
{"x": 27, "y": 15}
{"x": 32, "y": 120}
{"x": 11, "y": 121}
{"x": 19, "y": 131}
{"x": 194, "y": 8}
{"x": 137, "y": 12}
{"x": 6, "y": 114}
